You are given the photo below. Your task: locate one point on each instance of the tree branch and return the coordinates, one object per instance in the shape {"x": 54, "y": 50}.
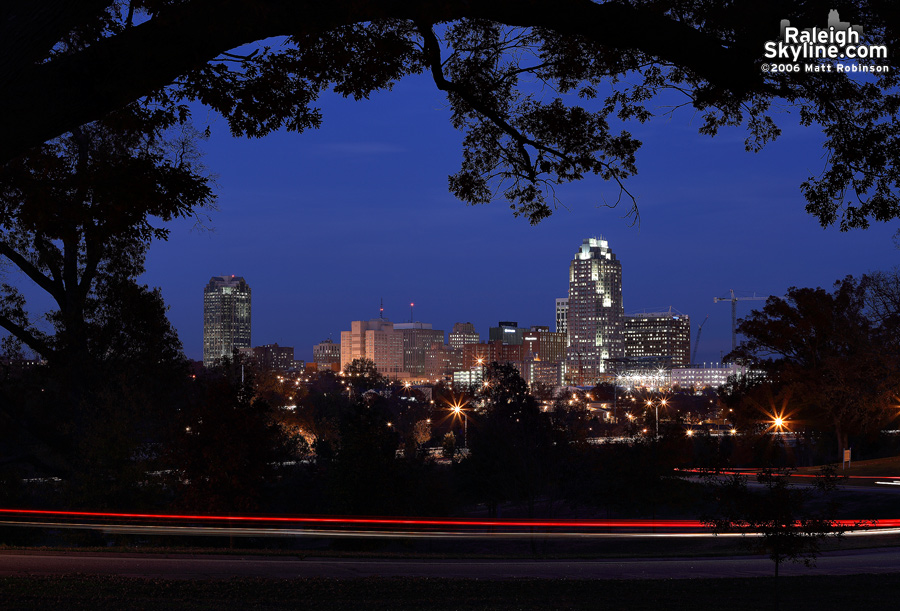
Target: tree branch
{"x": 30, "y": 270}
{"x": 124, "y": 67}
{"x": 27, "y": 337}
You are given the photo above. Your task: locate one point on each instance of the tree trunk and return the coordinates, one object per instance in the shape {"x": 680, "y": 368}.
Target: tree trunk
{"x": 841, "y": 440}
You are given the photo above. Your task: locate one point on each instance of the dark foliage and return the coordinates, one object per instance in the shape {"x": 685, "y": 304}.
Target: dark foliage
{"x": 831, "y": 365}
{"x": 788, "y": 527}
{"x": 538, "y": 87}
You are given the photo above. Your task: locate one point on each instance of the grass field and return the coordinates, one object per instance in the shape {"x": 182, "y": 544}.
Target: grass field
{"x": 874, "y": 592}
{"x": 878, "y": 467}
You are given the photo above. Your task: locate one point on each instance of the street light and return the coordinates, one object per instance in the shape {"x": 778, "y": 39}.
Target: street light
{"x": 650, "y": 403}
{"x": 655, "y": 415}
{"x": 778, "y": 421}
{"x": 457, "y": 410}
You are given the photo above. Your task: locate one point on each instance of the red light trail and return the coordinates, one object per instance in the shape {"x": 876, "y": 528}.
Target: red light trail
{"x": 561, "y": 524}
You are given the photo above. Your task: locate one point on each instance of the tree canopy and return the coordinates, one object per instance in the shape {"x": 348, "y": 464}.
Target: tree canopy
{"x": 831, "y": 359}
{"x": 77, "y": 217}
{"x": 538, "y": 87}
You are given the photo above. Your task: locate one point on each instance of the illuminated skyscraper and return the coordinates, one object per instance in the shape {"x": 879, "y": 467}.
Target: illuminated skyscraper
{"x": 226, "y": 317}
{"x": 463, "y": 333}
{"x": 666, "y": 335}
{"x": 377, "y": 341}
{"x": 327, "y": 354}
{"x": 596, "y": 317}
{"x": 420, "y": 344}
{"x": 562, "y": 315}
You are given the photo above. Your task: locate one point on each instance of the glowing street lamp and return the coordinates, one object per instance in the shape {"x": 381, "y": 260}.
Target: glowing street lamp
{"x": 656, "y": 412}
{"x": 458, "y": 411}
{"x": 778, "y": 422}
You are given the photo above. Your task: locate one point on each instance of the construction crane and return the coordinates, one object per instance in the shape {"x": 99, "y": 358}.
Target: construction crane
{"x": 697, "y": 341}
{"x": 734, "y": 301}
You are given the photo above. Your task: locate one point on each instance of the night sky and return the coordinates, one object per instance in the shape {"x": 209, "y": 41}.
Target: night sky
{"x": 325, "y": 224}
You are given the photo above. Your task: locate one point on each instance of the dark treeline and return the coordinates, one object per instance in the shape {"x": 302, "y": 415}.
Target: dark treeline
{"x": 238, "y": 440}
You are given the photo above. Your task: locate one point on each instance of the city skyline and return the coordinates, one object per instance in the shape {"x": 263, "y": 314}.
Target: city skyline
{"x": 327, "y": 223}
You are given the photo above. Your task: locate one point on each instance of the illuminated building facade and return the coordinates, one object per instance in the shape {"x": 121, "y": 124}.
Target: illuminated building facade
{"x": 507, "y": 332}
{"x": 377, "y": 341}
{"x": 475, "y": 355}
{"x": 545, "y": 345}
{"x": 442, "y": 361}
{"x": 421, "y": 344}
{"x": 596, "y": 317}
{"x": 546, "y": 373}
{"x": 226, "y": 317}
{"x": 326, "y": 354}
{"x": 659, "y": 334}
{"x": 714, "y": 375}
{"x": 463, "y": 333}
{"x": 562, "y": 315}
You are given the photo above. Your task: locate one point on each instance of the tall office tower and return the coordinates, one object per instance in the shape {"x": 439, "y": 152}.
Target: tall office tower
{"x": 326, "y": 354}
{"x": 226, "y": 317}
{"x": 463, "y": 333}
{"x": 545, "y": 345}
{"x": 562, "y": 315}
{"x": 596, "y": 319}
{"x": 377, "y": 341}
{"x": 664, "y": 335}
{"x": 420, "y": 344}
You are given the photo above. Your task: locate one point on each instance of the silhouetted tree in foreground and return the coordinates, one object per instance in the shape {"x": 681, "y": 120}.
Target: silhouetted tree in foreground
{"x": 225, "y": 447}
{"x": 537, "y": 86}
{"x": 777, "y": 517}
{"x": 834, "y": 364}
{"x": 511, "y": 441}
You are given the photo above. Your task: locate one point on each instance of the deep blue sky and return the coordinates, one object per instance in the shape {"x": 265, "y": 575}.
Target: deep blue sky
{"x": 325, "y": 224}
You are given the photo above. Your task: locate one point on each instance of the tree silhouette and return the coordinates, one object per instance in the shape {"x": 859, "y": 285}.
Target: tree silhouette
{"x": 75, "y": 222}
{"x": 225, "y": 446}
{"x": 66, "y": 64}
{"x": 778, "y": 519}
{"x": 363, "y": 375}
{"x": 511, "y": 440}
{"x": 824, "y": 352}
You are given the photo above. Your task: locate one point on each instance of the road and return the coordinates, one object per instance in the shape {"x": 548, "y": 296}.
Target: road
{"x": 173, "y": 566}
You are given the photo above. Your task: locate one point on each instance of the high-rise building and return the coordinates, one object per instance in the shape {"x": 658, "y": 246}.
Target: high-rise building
{"x": 463, "y": 333}
{"x": 536, "y": 371}
{"x": 545, "y": 345}
{"x": 664, "y": 335}
{"x": 226, "y": 317}
{"x": 377, "y": 341}
{"x": 596, "y": 317}
{"x": 420, "y": 344}
{"x": 326, "y": 354}
{"x": 562, "y": 315}
{"x": 442, "y": 361}
{"x": 271, "y": 357}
